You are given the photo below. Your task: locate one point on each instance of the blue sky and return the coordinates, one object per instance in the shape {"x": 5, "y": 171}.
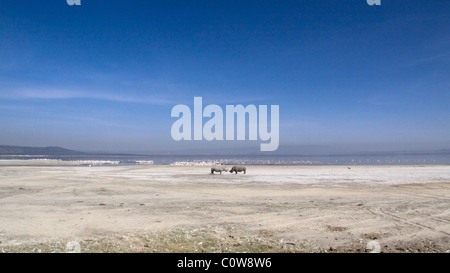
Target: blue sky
{"x": 105, "y": 75}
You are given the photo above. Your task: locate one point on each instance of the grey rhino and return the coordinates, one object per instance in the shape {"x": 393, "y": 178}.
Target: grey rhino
{"x": 218, "y": 169}
{"x": 237, "y": 169}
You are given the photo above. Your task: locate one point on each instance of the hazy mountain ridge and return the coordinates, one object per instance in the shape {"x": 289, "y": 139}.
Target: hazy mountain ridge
{"x": 23, "y": 150}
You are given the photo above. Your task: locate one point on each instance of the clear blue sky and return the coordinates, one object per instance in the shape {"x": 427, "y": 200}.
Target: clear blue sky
{"x": 105, "y": 75}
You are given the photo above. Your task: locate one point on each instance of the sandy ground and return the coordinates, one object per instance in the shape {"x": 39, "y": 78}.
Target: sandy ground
{"x": 314, "y": 208}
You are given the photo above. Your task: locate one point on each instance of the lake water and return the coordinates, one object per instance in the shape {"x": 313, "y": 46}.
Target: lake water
{"x": 410, "y": 159}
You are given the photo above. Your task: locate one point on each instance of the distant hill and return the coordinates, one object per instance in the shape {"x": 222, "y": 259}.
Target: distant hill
{"x": 20, "y": 150}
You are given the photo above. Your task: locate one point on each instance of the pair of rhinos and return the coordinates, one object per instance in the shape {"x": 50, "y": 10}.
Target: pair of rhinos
{"x": 234, "y": 169}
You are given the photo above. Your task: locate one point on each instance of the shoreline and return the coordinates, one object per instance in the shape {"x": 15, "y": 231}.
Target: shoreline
{"x": 307, "y": 208}
{"x": 110, "y": 163}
